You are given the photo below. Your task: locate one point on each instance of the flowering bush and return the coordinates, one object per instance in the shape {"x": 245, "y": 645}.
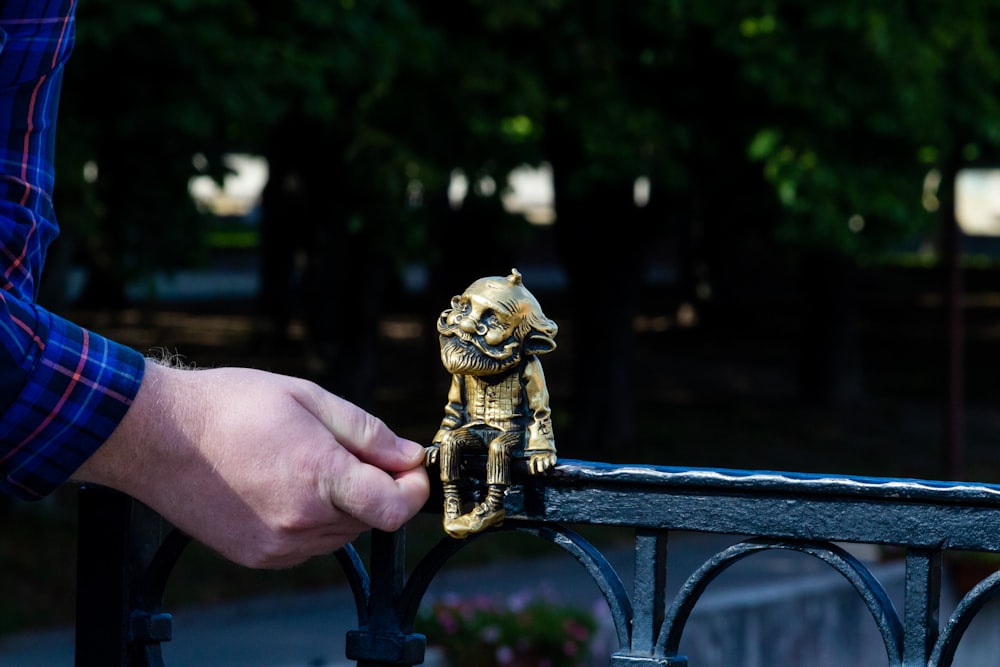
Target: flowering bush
{"x": 522, "y": 630}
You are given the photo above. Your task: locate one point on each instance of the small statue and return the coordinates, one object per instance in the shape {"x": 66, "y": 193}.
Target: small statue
{"x": 491, "y": 338}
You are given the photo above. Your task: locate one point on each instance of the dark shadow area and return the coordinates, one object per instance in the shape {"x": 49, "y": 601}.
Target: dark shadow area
{"x": 713, "y": 388}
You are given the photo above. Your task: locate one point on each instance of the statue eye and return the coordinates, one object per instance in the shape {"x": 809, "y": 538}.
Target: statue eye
{"x": 491, "y": 319}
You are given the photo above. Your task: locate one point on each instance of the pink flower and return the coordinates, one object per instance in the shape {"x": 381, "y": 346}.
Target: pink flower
{"x": 447, "y": 621}
{"x": 575, "y": 630}
{"x": 505, "y": 655}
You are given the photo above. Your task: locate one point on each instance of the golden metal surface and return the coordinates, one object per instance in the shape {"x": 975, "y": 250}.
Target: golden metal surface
{"x": 498, "y": 403}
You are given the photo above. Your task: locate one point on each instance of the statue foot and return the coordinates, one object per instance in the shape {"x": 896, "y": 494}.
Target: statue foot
{"x": 480, "y": 518}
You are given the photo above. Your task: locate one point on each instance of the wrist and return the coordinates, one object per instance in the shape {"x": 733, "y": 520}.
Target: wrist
{"x": 146, "y": 442}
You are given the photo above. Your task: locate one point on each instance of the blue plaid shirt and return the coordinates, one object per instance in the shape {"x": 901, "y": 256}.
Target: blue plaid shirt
{"x": 63, "y": 389}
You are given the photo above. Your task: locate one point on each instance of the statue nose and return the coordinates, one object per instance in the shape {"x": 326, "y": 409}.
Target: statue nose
{"x": 468, "y": 324}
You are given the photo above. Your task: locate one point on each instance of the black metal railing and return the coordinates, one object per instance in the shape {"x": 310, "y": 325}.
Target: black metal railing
{"x": 126, "y": 553}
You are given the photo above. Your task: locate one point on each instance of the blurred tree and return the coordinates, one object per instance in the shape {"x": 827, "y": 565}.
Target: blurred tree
{"x": 342, "y": 193}
{"x": 873, "y": 105}
{"x": 545, "y": 82}
{"x": 150, "y": 86}
{"x": 841, "y": 110}
{"x": 307, "y": 86}
{"x": 788, "y": 136}
{"x": 837, "y": 147}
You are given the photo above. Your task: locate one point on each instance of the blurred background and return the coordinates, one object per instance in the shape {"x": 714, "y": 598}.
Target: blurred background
{"x": 768, "y": 231}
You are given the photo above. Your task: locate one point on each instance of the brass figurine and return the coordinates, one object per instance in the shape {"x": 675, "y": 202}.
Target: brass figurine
{"x": 498, "y": 402}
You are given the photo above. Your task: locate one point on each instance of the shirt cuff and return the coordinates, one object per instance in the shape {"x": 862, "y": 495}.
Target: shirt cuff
{"x": 78, "y": 391}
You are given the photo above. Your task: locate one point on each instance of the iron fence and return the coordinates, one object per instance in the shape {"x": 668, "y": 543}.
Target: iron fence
{"x": 126, "y": 553}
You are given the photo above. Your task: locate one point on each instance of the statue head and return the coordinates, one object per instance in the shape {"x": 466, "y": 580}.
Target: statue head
{"x": 492, "y": 325}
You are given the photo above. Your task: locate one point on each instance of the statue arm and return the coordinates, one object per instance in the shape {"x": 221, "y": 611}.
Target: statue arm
{"x": 454, "y": 410}
{"x": 541, "y": 444}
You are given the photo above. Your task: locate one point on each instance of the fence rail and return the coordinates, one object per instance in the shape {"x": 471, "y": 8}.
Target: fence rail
{"x": 126, "y": 553}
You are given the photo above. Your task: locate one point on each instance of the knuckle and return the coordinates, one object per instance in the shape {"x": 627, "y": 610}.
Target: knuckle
{"x": 372, "y": 428}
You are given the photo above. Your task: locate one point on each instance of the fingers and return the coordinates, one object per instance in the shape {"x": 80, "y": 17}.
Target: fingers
{"x": 361, "y": 433}
{"x": 378, "y": 477}
{"x": 376, "y": 498}
{"x": 539, "y": 463}
{"x": 359, "y": 497}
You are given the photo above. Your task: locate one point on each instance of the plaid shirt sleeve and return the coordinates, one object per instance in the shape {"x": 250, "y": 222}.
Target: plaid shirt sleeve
{"x": 63, "y": 389}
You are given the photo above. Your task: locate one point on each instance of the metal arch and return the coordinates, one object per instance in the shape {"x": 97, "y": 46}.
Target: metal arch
{"x": 868, "y": 587}
{"x": 958, "y": 622}
{"x": 596, "y": 564}
{"x": 155, "y": 577}
{"x": 599, "y": 569}
{"x": 357, "y": 578}
{"x": 424, "y": 572}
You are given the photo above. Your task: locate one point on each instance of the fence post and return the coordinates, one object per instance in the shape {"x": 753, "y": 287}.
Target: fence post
{"x": 101, "y": 589}
{"x": 119, "y": 573}
{"x": 385, "y": 642}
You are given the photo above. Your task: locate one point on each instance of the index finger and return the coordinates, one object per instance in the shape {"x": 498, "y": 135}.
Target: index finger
{"x": 361, "y": 433}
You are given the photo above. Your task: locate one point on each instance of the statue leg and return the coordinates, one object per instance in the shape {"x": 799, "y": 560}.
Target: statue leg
{"x": 451, "y": 462}
{"x": 450, "y": 455}
{"x": 490, "y": 512}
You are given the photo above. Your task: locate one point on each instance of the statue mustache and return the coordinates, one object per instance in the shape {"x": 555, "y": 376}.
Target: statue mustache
{"x": 493, "y": 352}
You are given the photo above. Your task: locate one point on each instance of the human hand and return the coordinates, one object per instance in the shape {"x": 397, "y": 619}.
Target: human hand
{"x": 266, "y": 469}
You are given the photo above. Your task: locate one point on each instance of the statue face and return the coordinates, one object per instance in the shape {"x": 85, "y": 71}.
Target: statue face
{"x": 479, "y": 336}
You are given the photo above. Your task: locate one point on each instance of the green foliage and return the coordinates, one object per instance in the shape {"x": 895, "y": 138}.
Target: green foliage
{"x": 864, "y": 100}
{"x": 521, "y": 631}
{"x": 822, "y": 117}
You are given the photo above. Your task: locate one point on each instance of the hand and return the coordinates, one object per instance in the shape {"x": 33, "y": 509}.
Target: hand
{"x": 539, "y": 463}
{"x": 267, "y": 470}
